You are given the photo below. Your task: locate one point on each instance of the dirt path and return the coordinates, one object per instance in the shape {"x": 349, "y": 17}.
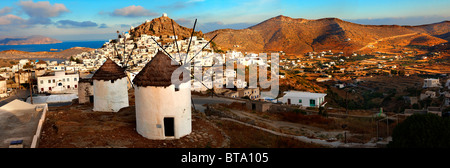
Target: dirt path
{"x": 386, "y": 38}
{"x": 305, "y": 139}
{"x": 284, "y": 125}
{"x": 290, "y": 127}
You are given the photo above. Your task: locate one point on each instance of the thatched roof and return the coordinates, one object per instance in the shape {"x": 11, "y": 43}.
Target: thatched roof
{"x": 109, "y": 71}
{"x": 157, "y": 72}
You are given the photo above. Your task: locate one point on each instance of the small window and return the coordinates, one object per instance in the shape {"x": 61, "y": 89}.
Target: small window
{"x": 64, "y": 80}
{"x": 299, "y": 100}
{"x": 68, "y": 80}
{"x": 74, "y": 79}
{"x": 312, "y": 102}
{"x": 54, "y": 81}
{"x": 112, "y": 81}
{"x": 42, "y": 81}
{"x": 49, "y": 81}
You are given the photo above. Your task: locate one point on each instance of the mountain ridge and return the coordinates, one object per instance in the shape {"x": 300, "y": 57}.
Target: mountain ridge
{"x": 162, "y": 26}
{"x": 34, "y": 39}
{"x": 298, "y": 35}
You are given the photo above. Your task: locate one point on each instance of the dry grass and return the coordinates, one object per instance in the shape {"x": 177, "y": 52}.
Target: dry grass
{"x": 313, "y": 120}
{"x": 242, "y": 136}
{"x": 8, "y": 62}
{"x": 77, "y": 126}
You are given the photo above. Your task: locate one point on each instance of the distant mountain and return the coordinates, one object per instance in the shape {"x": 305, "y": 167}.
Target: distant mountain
{"x": 7, "y": 40}
{"x": 65, "y": 54}
{"x": 162, "y": 26}
{"x": 298, "y": 36}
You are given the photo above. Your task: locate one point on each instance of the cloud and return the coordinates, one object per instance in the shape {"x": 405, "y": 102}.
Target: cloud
{"x": 42, "y": 9}
{"x": 75, "y": 24}
{"x": 185, "y": 22}
{"x": 211, "y": 26}
{"x": 133, "y": 11}
{"x": 194, "y": 1}
{"x": 103, "y": 13}
{"x": 5, "y": 10}
{"x": 125, "y": 25}
{"x": 182, "y": 4}
{"x": 176, "y": 5}
{"x": 41, "y": 12}
{"x": 413, "y": 21}
{"x": 11, "y": 20}
{"x": 103, "y": 26}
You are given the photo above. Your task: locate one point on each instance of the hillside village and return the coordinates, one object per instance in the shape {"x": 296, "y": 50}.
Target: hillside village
{"x": 327, "y": 84}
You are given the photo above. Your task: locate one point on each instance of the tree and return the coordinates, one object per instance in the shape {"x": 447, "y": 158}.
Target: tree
{"x": 394, "y": 72}
{"x": 78, "y": 61}
{"x": 28, "y": 66}
{"x": 415, "y": 106}
{"x": 401, "y": 72}
{"x": 422, "y": 131}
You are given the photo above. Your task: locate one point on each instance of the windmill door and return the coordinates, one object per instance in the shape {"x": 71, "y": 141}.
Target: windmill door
{"x": 169, "y": 129}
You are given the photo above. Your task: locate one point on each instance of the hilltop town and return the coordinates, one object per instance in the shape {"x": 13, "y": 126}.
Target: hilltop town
{"x": 327, "y": 98}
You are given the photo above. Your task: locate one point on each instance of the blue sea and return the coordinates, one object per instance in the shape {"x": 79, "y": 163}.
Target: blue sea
{"x": 47, "y": 47}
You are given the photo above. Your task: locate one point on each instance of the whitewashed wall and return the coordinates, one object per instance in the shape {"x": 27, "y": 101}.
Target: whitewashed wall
{"x": 3, "y": 88}
{"x": 110, "y": 97}
{"x": 155, "y": 103}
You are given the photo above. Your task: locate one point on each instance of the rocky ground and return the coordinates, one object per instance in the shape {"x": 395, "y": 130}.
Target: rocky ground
{"x": 77, "y": 126}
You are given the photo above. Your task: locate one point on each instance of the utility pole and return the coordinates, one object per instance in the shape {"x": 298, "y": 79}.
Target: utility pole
{"x": 377, "y": 131}
{"x": 31, "y": 89}
{"x": 346, "y": 103}
{"x": 18, "y": 77}
{"x": 387, "y": 125}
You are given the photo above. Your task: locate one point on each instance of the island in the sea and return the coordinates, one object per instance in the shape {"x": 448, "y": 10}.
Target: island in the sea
{"x": 35, "y": 39}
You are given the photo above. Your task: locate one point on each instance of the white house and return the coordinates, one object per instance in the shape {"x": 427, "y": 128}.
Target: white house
{"x": 58, "y": 82}
{"x": 428, "y": 94}
{"x": 56, "y": 67}
{"x": 163, "y": 111}
{"x": 306, "y": 99}
{"x": 427, "y": 83}
{"x": 3, "y": 87}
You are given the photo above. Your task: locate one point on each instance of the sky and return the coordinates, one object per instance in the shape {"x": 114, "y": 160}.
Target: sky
{"x": 89, "y": 20}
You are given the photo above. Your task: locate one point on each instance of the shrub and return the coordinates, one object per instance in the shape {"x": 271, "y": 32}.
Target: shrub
{"x": 422, "y": 131}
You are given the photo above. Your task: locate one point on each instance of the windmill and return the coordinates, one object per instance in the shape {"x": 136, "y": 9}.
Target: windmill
{"x": 187, "y": 60}
{"x": 125, "y": 58}
{"x": 110, "y": 83}
{"x": 163, "y": 103}
{"x": 121, "y": 57}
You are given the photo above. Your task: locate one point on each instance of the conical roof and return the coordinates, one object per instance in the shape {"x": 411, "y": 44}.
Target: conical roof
{"x": 109, "y": 71}
{"x": 157, "y": 72}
